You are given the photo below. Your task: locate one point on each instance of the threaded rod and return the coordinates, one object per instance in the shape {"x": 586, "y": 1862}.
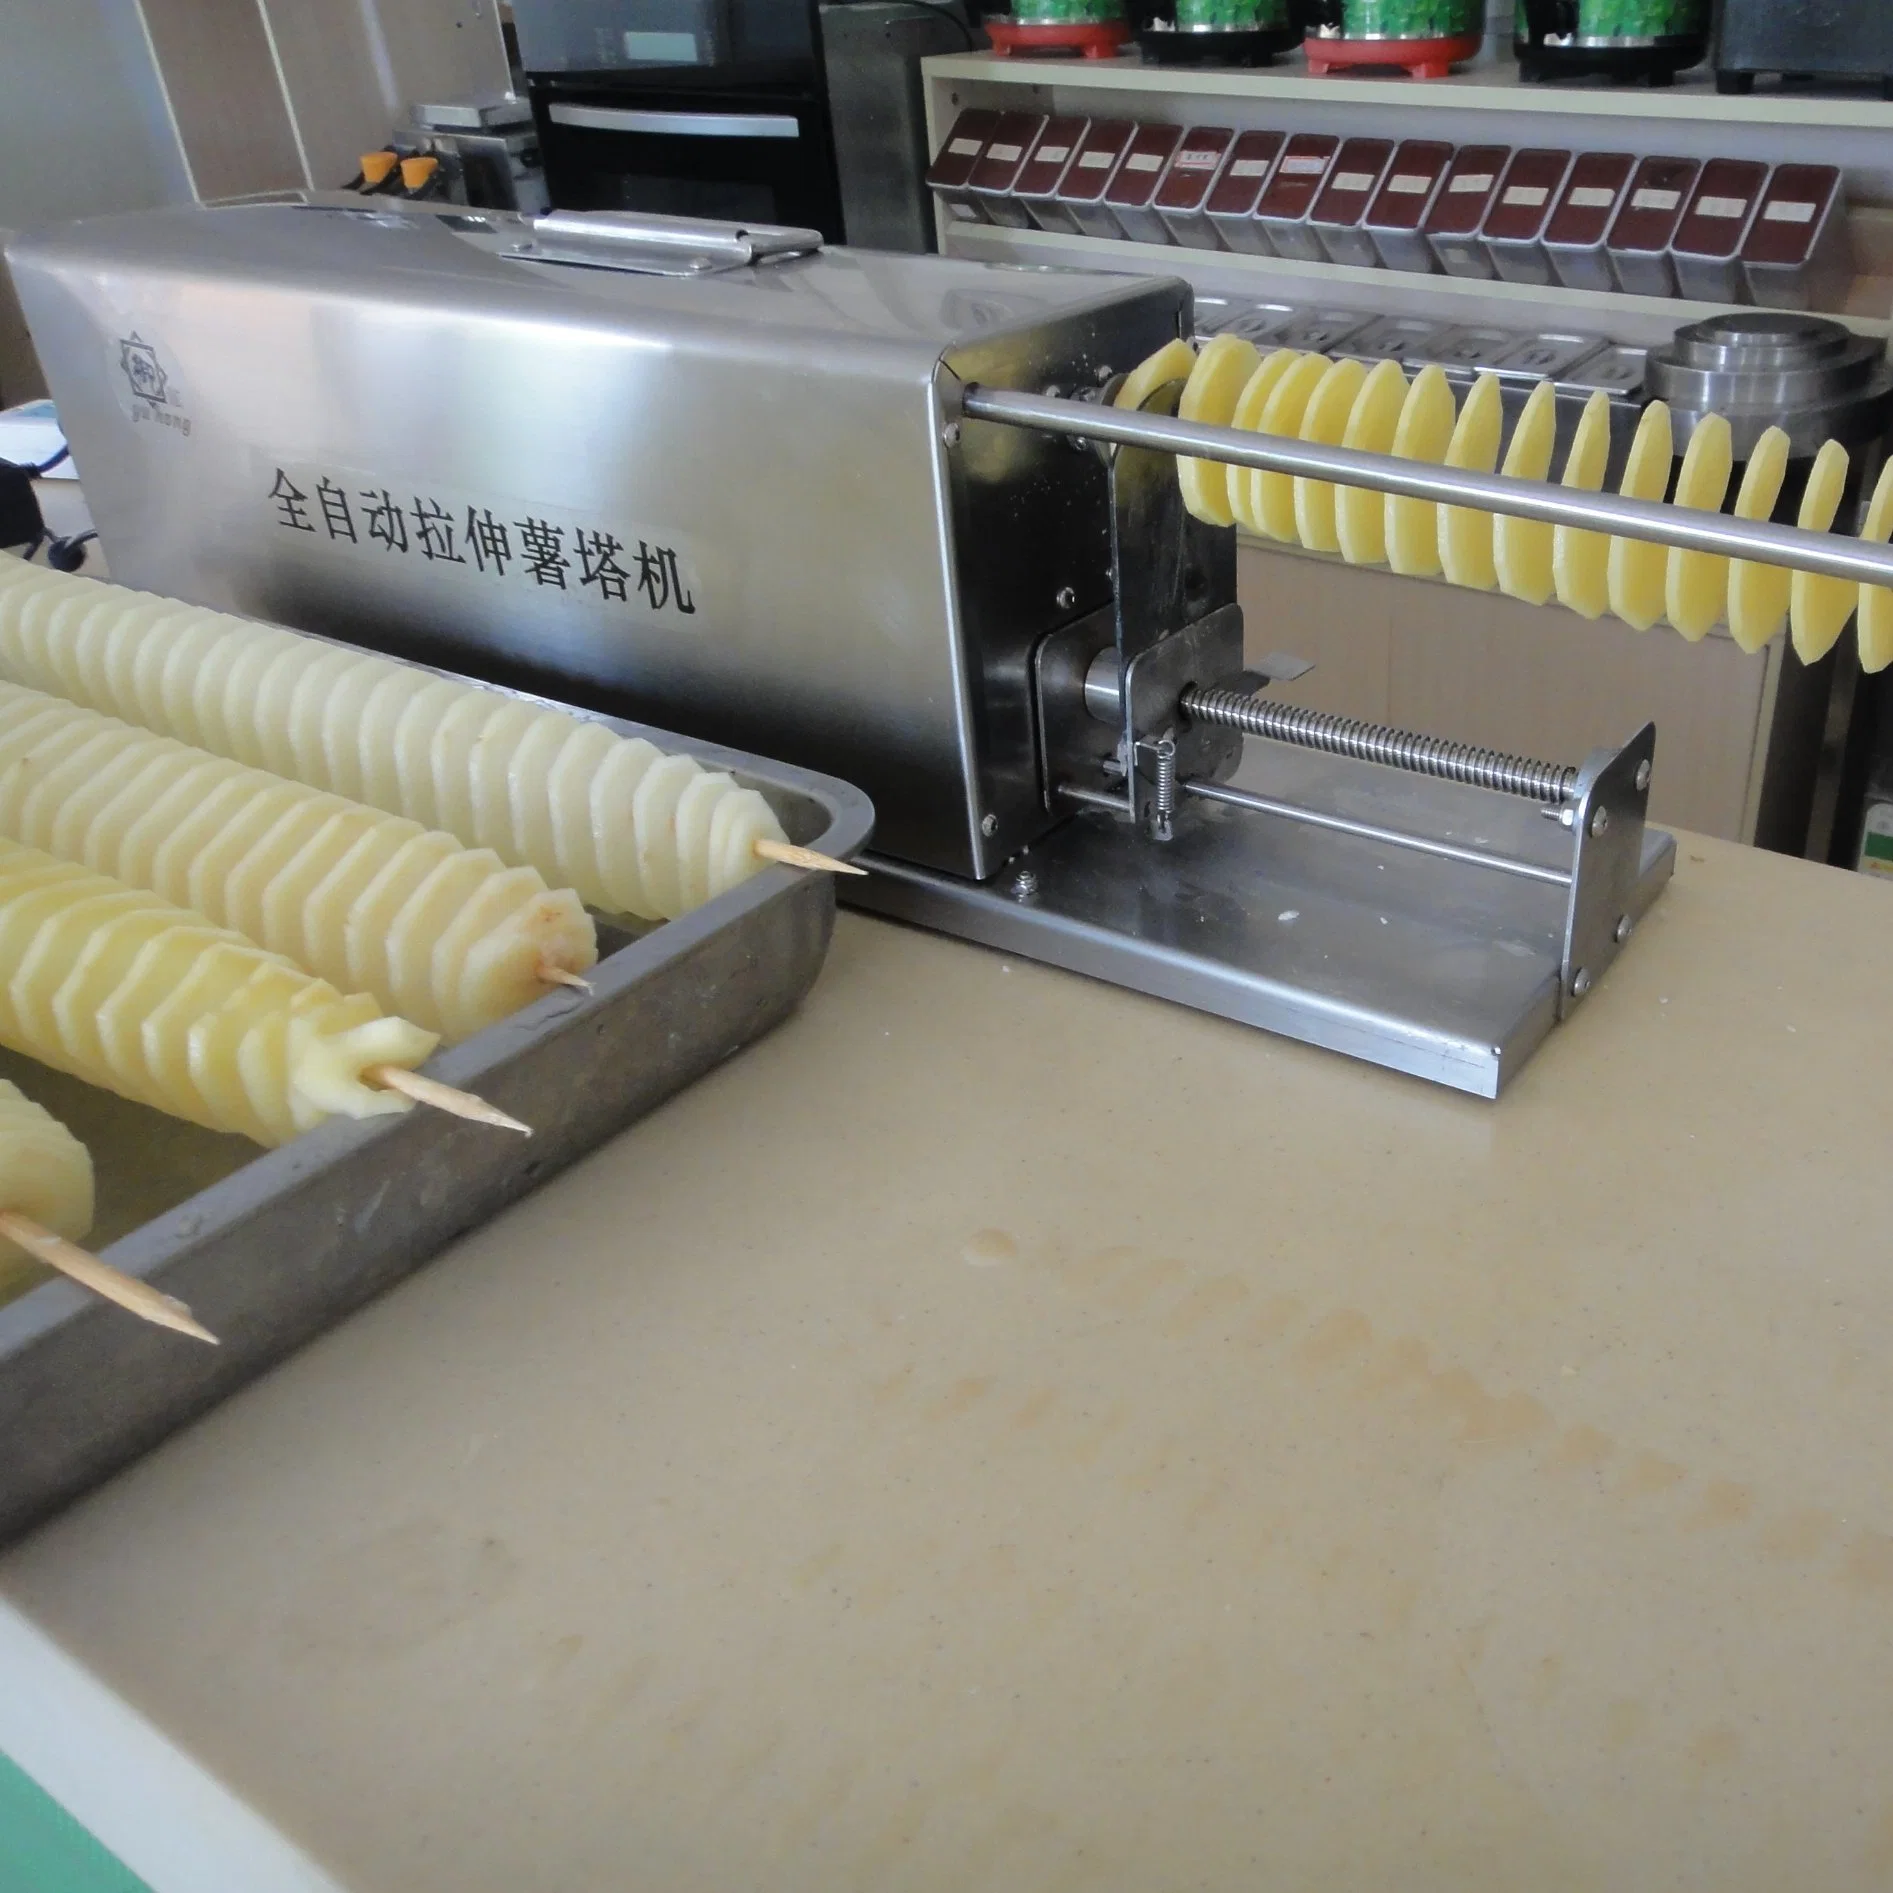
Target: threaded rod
{"x": 1379, "y": 742}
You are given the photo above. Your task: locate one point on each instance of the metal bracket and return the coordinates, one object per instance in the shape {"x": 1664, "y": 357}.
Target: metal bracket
{"x": 1156, "y": 678}
{"x": 1607, "y": 817}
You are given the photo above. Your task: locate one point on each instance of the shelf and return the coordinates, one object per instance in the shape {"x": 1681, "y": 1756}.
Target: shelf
{"x": 1493, "y": 85}
{"x": 1644, "y": 320}
{"x": 1689, "y": 120}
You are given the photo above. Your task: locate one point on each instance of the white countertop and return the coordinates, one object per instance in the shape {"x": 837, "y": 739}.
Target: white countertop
{"x": 1003, "y": 1432}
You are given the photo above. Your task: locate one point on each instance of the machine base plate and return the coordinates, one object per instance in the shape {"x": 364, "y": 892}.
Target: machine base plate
{"x": 1446, "y": 971}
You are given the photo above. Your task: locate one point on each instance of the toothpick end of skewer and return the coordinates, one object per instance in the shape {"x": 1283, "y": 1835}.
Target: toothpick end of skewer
{"x": 558, "y": 976}
{"x": 448, "y": 1098}
{"x": 82, "y": 1266}
{"x": 788, "y": 855}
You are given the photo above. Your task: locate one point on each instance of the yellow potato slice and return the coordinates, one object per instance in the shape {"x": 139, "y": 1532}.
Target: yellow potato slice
{"x": 1876, "y": 601}
{"x": 1580, "y": 560}
{"x": 529, "y": 818}
{"x": 1251, "y": 405}
{"x": 1360, "y": 513}
{"x": 1465, "y": 532}
{"x": 1638, "y": 570}
{"x": 1271, "y": 496}
{"x": 1172, "y": 362}
{"x": 367, "y": 745}
{"x": 1425, "y": 433}
{"x": 616, "y": 844}
{"x": 1696, "y": 588}
{"x": 189, "y": 666}
{"x": 302, "y": 714}
{"x": 408, "y": 735}
{"x": 1324, "y": 423}
{"x": 654, "y": 815}
{"x": 245, "y": 667}
{"x": 696, "y": 810}
{"x": 1818, "y": 608}
{"x": 1210, "y": 395}
{"x": 45, "y": 1173}
{"x": 1758, "y": 594}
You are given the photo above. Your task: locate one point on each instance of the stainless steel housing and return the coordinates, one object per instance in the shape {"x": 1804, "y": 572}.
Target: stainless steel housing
{"x": 802, "y": 564}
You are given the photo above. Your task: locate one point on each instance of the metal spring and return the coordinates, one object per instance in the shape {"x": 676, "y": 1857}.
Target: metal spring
{"x": 1165, "y": 788}
{"x": 1378, "y": 742}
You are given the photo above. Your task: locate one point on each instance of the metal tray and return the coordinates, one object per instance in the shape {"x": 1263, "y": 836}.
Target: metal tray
{"x": 270, "y": 1249}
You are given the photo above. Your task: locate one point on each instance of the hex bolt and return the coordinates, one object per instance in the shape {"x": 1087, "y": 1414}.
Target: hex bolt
{"x": 1643, "y": 774}
{"x": 1580, "y": 982}
{"x": 1066, "y": 597}
{"x": 1600, "y": 821}
{"x": 1622, "y": 931}
{"x": 989, "y": 825}
{"x": 1025, "y": 884}
{"x": 950, "y": 433}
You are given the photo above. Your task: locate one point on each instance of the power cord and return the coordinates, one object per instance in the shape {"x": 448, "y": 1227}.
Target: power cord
{"x": 67, "y": 555}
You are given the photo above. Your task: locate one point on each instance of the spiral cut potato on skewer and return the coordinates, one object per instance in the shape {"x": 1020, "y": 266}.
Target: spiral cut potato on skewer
{"x": 148, "y": 1000}
{"x": 1343, "y": 403}
{"x": 630, "y": 829}
{"x": 446, "y": 935}
{"x": 45, "y": 1173}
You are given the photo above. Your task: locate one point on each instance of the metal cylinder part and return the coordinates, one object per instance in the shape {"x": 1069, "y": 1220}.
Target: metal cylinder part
{"x": 1379, "y": 742}
{"x": 1762, "y": 368}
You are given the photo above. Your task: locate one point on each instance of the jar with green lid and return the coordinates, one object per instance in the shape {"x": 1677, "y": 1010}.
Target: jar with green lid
{"x": 1397, "y": 19}
{"x": 1647, "y": 41}
{"x": 1221, "y": 32}
{"x": 1233, "y": 16}
{"x": 1067, "y": 12}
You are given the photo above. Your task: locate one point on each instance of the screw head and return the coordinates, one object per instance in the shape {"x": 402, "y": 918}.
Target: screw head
{"x": 989, "y": 825}
{"x": 1622, "y": 931}
{"x": 1066, "y": 597}
{"x": 1580, "y": 982}
{"x": 1600, "y": 821}
{"x": 1643, "y": 774}
{"x": 1025, "y": 884}
{"x": 950, "y": 433}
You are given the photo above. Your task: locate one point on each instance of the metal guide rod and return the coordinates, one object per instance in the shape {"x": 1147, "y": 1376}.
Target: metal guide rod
{"x": 1372, "y": 831}
{"x": 1828, "y": 554}
{"x": 1382, "y": 743}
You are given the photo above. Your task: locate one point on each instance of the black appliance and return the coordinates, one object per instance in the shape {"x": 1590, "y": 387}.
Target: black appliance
{"x": 1824, "y": 39}
{"x": 696, "y": 108}
{"x": 1625, "y": 41}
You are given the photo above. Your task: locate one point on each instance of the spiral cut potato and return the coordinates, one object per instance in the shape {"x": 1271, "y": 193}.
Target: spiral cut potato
{"x": 149, "y": 1000}
{"x": 632, "y": 830}
{"x": 446, "y": 935}
{"x": 45, "y": 1173}
{"x": 1377, "y": 411}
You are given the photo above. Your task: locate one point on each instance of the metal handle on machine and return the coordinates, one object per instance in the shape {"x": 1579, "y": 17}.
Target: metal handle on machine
{"x": 1825, "y": 553}
{"x": 645, "y": 241}
{"x": 675, "y": 124}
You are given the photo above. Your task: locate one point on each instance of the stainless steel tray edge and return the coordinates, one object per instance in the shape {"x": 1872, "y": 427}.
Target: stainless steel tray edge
{"x": 299, "y": 1237}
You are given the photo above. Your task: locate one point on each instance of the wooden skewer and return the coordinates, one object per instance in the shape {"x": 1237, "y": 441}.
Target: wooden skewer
{"x": 558, "y": 976}
{"x": 88, "y": 1271}
{"x": 442, "y": 1097}
{"x": 790, "y": 856}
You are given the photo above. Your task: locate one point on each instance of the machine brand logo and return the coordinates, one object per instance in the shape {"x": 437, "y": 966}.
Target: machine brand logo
{"x": 153, "y": 394}
{"x": 143, "y": 370}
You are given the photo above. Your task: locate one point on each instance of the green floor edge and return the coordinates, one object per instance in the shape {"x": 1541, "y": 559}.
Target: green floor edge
{"x": 44, "y": 1850}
